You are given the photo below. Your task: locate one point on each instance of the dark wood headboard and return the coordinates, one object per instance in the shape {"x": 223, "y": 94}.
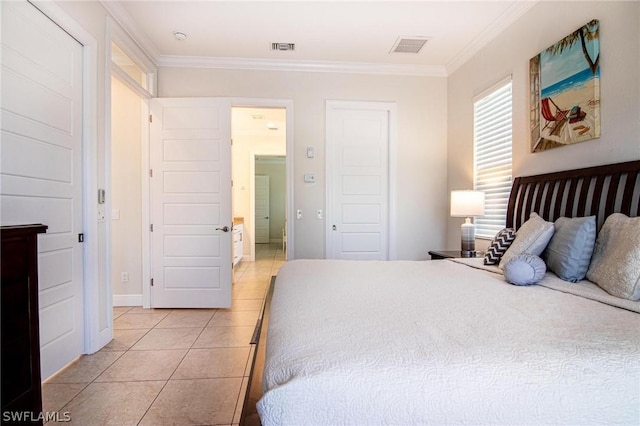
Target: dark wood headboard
{"x": 593, "y": 191}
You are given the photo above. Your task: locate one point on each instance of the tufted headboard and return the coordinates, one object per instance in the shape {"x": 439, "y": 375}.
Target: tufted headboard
{"x": 592, "y": 191}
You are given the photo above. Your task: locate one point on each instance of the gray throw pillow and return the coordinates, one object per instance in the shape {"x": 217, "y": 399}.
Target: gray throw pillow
{"x": 524, "y": 269}
{"x": 615, "y": 265}
{"x": 569, "y": 252}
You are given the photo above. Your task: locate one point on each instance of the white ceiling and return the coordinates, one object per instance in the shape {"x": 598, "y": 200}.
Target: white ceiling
{"x": 349, "y": 36}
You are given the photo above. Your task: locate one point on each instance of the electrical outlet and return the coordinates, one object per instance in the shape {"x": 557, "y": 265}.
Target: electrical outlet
{"x": 299, "y": 214}
{"x": 124, "y": 277}
{"x": 319, "y": 214}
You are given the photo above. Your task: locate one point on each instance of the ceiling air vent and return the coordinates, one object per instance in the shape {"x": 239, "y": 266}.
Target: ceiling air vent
{"x": 408, "y": 44}
{"x": 283, "y": 46}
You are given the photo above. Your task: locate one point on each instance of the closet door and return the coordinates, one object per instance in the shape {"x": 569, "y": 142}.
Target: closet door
{"x": 358, "y": 180}
{"x": 41, "y": 169}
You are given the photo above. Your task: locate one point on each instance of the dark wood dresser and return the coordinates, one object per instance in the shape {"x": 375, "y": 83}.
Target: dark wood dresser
{"x": 21, "y": 384}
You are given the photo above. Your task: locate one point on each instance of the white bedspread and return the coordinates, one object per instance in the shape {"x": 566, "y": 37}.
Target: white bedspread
{"x": 438, "y": 342}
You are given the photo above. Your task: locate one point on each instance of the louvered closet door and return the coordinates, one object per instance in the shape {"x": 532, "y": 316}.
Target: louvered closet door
{"x": 41, "y": 168}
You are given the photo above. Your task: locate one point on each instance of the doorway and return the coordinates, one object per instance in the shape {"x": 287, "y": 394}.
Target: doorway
{"x": 127, "y": 202}
{"x": 260, "y": 144}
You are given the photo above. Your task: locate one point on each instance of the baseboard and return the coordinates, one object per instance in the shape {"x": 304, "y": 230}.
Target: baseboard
{"x": 127, "y": 300}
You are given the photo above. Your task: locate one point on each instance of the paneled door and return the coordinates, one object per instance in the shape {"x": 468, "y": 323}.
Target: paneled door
{"x": 262, "y": 209}
{"x": 358, "y": 141}
{"x": 41, "y": 167}
{"x": 191, "y": 239}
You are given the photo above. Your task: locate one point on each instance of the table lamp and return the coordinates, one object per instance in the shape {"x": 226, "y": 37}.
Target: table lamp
{"x": 467, "y": 203}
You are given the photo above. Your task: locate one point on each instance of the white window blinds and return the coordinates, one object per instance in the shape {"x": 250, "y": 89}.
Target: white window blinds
{"x": 492, "y": 157}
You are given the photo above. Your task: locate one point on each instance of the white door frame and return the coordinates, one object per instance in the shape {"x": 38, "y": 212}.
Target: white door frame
{"x": 391, "y": 109}
{"x": 235, "y": 102}
{"x": 97, "y": 331}
{"x": 116, "y": 34}
{"x": 272, "y": 103}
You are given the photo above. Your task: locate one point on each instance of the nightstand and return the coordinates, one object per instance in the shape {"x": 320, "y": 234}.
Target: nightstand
{"x": 448, "y": 254}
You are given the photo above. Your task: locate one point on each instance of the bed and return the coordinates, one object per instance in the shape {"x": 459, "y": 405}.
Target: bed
{"x": 451, "y": 342}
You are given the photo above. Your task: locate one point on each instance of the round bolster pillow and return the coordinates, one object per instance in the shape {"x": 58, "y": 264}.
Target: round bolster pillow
{"x": 524, "y": 269}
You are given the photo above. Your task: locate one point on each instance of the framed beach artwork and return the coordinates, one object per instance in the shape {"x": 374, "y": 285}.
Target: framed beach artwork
{"x": 565, "y": 90}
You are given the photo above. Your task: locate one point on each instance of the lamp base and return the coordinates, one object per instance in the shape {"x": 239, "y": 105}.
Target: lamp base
{"x": 468, "y": 237}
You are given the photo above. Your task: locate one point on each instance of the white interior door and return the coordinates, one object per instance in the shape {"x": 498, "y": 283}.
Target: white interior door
{"x": 191, "y": 241}
{"x": 358, "y": 180}
{"x": 262, "y": 209}
{"x": 41, "y": 167}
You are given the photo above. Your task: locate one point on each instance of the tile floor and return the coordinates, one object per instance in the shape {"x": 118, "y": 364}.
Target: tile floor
{"x": 170, "y": 366}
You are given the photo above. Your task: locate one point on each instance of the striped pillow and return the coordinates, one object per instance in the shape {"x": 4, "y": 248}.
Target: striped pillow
{"x": 499, "y": 246}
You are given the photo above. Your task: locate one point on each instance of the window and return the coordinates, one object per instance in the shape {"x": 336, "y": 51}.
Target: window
{"x": 492, "y": 156}
{"x": 126, "y": 64}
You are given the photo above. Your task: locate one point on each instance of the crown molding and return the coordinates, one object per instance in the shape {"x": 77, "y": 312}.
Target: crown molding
{"x": 508, "y": 17}
{"x": 308, "y": 66}
{"x": 122, "y": 17}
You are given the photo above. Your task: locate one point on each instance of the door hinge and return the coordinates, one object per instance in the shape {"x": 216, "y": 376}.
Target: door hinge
{"x": 81, "y": 238}
{"x": 151, "y": 282}
{"x": 150, "y": 118}
{"x": 151, "y": 227}
{"x": 150, "y": 172}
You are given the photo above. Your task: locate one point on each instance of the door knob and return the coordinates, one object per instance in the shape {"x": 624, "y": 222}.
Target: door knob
{"x": 223, "y": 229}
{"x": 266, "y": 217}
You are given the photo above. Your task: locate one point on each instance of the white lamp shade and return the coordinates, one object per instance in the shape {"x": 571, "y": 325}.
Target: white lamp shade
{"x": 467, "y": 203}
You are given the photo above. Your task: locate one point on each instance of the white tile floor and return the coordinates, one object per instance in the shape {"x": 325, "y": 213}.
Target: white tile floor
{"x": 170, "y": 366}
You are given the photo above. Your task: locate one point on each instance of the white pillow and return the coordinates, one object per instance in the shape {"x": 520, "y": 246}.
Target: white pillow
{"x": 615, "y": 265}
{"x": 532, "y": 238}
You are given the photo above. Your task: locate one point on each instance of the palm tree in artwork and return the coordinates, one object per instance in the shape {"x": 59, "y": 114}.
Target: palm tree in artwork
{"x": 589, "y": 32}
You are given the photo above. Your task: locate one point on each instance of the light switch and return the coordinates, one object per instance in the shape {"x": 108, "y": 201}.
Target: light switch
{"x": 115, "y": 214}
{"x": 310, "y": 178}
{"x": 311, "y": 152}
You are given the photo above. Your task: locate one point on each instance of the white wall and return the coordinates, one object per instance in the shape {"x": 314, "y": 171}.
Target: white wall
{"x": 509, "y": 53}
{"x": 126, "y": 189}
{"x": 422, "y": 106}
